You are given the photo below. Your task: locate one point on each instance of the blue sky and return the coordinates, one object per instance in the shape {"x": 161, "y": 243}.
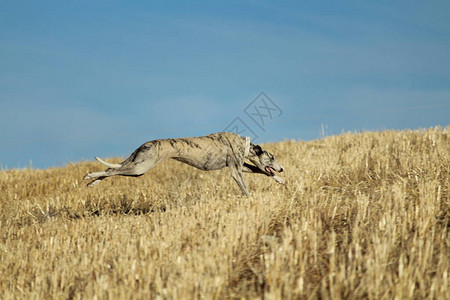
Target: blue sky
{"x": 85, "y": 78}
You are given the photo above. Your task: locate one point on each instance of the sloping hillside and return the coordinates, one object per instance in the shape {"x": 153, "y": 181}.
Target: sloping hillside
{"x": 363, "y": 216}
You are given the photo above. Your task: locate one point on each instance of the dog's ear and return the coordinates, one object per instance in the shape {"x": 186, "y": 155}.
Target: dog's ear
{"x": 257, "y": 149}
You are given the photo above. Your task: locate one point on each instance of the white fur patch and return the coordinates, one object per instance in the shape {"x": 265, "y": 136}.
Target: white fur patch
{"x": 247, "y": 146}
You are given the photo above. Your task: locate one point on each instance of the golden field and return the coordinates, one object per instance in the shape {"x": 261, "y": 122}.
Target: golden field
{"x": 363, "y": 216}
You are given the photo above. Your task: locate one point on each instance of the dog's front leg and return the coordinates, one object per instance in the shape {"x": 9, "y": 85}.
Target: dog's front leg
{"x": 236, "y": 174}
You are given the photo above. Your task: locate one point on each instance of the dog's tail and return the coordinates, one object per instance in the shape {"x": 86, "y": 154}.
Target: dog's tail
{"x": 113, "y": 166}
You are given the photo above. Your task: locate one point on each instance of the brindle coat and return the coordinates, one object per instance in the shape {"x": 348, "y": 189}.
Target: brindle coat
{"x": 211, "y": 152}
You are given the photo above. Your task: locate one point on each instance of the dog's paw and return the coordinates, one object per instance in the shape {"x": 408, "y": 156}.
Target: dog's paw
{"x": 278, "y": 179}
{"x": 88, "y": 176}
{"x": 93, "y": 182}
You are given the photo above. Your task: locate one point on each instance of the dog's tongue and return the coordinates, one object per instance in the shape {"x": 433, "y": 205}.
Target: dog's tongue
{"x": 269, "y": 170}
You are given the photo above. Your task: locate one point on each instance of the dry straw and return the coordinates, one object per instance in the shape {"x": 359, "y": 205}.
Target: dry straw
{"x": 364, "y": 216}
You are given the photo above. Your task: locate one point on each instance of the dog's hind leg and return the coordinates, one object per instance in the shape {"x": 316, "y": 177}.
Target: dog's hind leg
{"x": 98, "y": 179}
{"x": 95, "y": 181}
{"x": 99, "y": 176}
{"x": 124, "y": 171}
{"x": 132, "y": 168}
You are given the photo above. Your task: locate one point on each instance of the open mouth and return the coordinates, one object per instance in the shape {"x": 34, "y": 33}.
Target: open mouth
{"x": 270, "y": 170}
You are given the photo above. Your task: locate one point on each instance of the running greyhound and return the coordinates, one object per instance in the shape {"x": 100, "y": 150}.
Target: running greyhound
{"x": 210, "y": 152}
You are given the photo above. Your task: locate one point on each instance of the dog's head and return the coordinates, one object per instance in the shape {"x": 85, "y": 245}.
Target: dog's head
{"x": 264, "y": 160}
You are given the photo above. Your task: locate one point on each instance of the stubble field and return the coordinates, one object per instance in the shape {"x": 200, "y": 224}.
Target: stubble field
{"x": 363, "y": 216}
